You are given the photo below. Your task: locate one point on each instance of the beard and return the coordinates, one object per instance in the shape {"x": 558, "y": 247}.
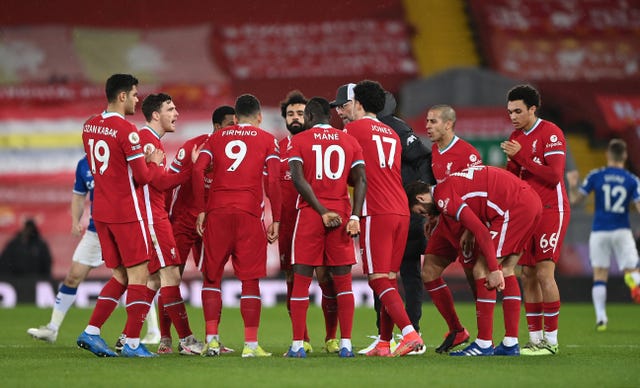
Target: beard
{"x": 432, "y": 209}
{"x": 295, "y": 127}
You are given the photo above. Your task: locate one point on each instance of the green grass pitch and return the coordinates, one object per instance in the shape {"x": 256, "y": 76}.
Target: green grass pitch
{"x": 586, "y": 358}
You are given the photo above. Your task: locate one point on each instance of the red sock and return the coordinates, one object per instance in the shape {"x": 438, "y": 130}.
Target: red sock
{"x": 138, "y": 304}
{"x": 289, "y": 290}
{"x": 386, "y": 325}
{"x": 511, "y": 301}
{"x": 164, "y": 320}
{"x": 485, "y": 304}
{"x": 299, "y": 305}
{"x": 250, "y": 305}
{"x": 174, "y": 305}
{"x": 346, "y": 303}
{"x": 211, "y": 306}
{"x": 392, "y": 302}
{"x": 329, "y": 309}
{"x": 534, "y": 316}
{"x": 443, "y": 300}
{"x": 551, "y": 314}
{"x": 107, "y": 302}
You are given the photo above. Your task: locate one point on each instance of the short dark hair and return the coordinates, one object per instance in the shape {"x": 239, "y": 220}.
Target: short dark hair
{"x": 414, "y": 189}
{"x": 320, "y": 109}
{"x": 117, "y": 84}
{"x": 293, "y": 97}
{"x": 247, "y": 105}
{"x": 617, "y": 149}
{"x": 527, "y": 93}
{"x": 370, "y": 94}
{"x": 219, "y": 114}
{"x": 153, "y": 103}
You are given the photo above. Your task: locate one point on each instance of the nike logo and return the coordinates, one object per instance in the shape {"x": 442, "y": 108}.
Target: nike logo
{"x": 547, "y": 250}
{"x": 467, "y": 261}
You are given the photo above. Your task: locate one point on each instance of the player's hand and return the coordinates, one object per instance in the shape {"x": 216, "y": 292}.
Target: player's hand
{"x": 273, "y": 232}
{"x": 510, "y": 147}
{"x": 195, "y": 152}
{"x": 495, "y": 280}
{"x": 467, "y": 243}
{"x": 77, "y": 229}
{"x": 156, "y": 156}
{"x": 353, "y": 228}
{"x": 573, "y": 177}
{"x": 200, "y": 224}
{"x": 331, "y": 219}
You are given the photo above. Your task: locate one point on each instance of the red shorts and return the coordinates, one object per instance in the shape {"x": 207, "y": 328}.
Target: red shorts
{"x": 547, "y": 239}
{"x": 512, "y": 233}
{"x": 315, "y": 245}
{"x": 187, "y": 240}
{"x": 163, "y": 249}
{"x": 383, "y": 239}
{"x": 445, "y": 242}
{"x": 238, "y": 235}
{"x": 285, "y": 238}
{"x": 125, "y": 244}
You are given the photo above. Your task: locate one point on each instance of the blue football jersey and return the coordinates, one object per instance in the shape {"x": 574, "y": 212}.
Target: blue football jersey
{"x": 614, "y": 190}
{"x": 84, "y": 185}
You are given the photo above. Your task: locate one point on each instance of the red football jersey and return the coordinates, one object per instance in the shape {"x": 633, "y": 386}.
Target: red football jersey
{"x": 457, "y": 156}
{"x": 543, "y": 140}
{"x": 382, "y": 150}
{"x": 111, "y": 142}
{"x": 154, "y": 192}
{"x": 182, "y": 199}
{"x": 327, "y": 156}
{"x": 493, "y": 195}
{"x": 240, "y": 155}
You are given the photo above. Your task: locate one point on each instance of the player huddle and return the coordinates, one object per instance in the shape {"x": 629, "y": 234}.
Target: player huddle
{"x": 211, "y": 202}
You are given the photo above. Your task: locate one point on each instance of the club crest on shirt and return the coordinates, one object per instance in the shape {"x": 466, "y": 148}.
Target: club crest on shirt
{"x": 534, "y": 146}
{"x": 134, "y": 138}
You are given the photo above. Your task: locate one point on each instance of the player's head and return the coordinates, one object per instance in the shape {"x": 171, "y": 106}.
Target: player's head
{"x": 523, "y": 102}
{"x": 292, "y": 110}
{"x": 420, "y": 199}
{"x": 248, "y": 109}
{"x": 441, "y": 120}
{"x": 617, "y": 151}
{"x": 160, "y": 112}
{"x": 317, "y": 111}
{"x": 344, "y": 102}
{"x": 122, "y": 89}
{"x": 368, "y": 97}
{"x": 223, "y": 116}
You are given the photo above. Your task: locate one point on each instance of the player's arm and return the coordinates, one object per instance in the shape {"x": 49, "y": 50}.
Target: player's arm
{"x": 637, "y": 203}
{"x": 197, "y": 182}
{"x": 329, "y": 218}
{"x": 144, "y": 173}
{"x": 551, "y": 172}
{"x": 77, "y": 209}
{"x": 358, "y": 177}
{"x": 576, "y": 194}
{"x": 273, "y": 191}
{"x": 483, "y": 238}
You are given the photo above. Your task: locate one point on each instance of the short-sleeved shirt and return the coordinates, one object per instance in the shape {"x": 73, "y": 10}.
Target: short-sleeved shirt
{"x": 327, "y": 156}
{"x": 83, "y": 185}
{"x": 615, "y": 189}
{"x": 455, "y": 157}
{"x": 110, "y": 143}
{"x": 154, "y": 197}
{"x": 239, "y": 154}
{"x": 382, "y": 150}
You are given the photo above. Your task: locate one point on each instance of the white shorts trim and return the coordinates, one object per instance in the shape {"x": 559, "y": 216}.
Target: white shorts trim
{"x": 88, "y": 251}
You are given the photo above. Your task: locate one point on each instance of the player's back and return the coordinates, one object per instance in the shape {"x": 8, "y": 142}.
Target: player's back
{"x": 110, "y": 142}
{"x": 239, "y": 156}
{"x": 457, "y": 156}
{"x": 544, "y": 139}
{"x": 327, "y": 156}
{"x": 487, "y": 190}
{"x": 382, "y": 156}
{"x": 614, "y": 189}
